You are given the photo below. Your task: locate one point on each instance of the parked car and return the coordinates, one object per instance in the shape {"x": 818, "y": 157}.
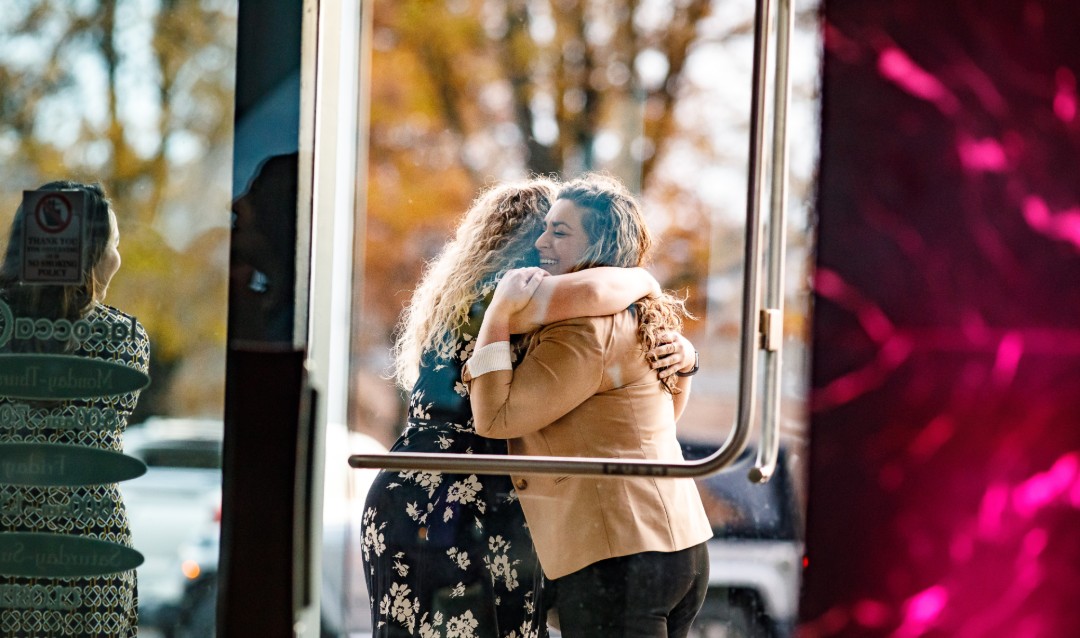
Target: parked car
{"x": 177, "y": 498}
{"x": 755, "y": 555}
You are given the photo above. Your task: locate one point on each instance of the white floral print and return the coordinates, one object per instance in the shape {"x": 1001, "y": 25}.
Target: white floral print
{"x": 446, "y": 555}
{"x": 430, "y": 629}
{"x": 427, "y": 480}
{"x": 464, "y": 491}
{"x": 459, "y": 557}
{"x": 499, "y": 563}
{"x": 463, "y": 626}
{"x": 374, "y": 541}
{"x": 397, "y": 605}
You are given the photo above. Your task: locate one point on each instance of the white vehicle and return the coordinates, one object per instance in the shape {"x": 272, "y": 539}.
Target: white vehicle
{"x": 755, "y": 556}
{"x": 176, "y": 498}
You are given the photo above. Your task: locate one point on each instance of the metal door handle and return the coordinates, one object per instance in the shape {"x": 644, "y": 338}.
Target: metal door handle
{"x": 773, "y": 337}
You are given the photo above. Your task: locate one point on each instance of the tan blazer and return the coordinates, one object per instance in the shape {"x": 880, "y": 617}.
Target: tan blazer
{"x": 585, "y": 389}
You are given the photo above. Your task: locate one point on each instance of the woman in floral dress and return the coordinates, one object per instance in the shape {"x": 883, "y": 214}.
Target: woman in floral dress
{"x": 449, "y": 555}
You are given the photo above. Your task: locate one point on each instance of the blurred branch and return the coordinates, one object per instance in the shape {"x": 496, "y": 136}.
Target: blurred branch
{"x": 676, "y": 44}
{"x": 518, "y": 54}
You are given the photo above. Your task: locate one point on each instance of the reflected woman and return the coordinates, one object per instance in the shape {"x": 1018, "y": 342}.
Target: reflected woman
{"x": 450, "y": 554}
{"x": 84, "y": 606}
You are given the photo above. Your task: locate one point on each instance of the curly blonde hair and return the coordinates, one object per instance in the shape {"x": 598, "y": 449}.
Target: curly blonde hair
{"x": 619, "y": 236}
{"x": 496, "y": 234}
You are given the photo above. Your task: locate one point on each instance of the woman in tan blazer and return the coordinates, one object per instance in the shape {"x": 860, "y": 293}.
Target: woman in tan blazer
{"x": 627, "y": 555}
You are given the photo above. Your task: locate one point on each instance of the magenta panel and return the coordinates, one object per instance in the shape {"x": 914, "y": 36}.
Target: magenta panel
{"x": 944, "y": 486}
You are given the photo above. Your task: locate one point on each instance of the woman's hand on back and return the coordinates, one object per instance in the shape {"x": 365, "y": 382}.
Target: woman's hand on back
{"x": 673, "y": 353}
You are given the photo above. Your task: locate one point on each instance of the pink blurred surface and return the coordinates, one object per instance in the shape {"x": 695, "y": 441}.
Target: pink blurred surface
{"x": 944, "y": 473}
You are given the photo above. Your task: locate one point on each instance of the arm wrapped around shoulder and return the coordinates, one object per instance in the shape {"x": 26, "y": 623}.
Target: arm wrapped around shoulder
{"x": 563, "y": 367}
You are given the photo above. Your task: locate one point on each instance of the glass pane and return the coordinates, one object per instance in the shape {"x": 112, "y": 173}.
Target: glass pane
{"x": 136, "y": 96}
{"x": 467, "y": 94}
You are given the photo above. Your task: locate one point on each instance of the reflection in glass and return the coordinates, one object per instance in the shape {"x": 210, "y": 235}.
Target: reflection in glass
{"x": 73, "y": 573}
{"x": 139, "y": 96}
{"x": 263, "y": 263}
{"x": 945, "y": 386}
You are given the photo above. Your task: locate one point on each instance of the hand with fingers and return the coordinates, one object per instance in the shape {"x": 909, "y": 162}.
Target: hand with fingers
{"x": 674, "y": 354}
{"x": 515, "y": 289}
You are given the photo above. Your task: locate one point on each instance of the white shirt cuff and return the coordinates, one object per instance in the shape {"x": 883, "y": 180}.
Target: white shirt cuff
{"x": 494, "y": 356}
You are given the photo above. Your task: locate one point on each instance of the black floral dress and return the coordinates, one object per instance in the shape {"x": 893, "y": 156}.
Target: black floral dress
{"x": 449, "y": 555}
{"x": 78, "y": 606}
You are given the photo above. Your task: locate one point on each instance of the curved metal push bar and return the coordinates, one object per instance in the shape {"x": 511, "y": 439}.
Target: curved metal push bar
{"x": 769, "y": 444}
{"x": 736, "y": 441}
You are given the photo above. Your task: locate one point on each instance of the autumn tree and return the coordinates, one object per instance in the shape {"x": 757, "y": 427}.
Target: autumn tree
{"x": 137, "y": 96}
{"x": 468, "y": 92}
{"x": 464, "y": 93}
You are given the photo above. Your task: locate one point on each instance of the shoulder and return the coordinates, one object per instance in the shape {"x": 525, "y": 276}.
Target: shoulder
{"x": 580, "y": 323}
{"x": 116, "y": 317}
{"x": 594, "y": 329}
{"x": 621, "y": 318}
{"x": 478, "y": 306}
{"x": 625, "y": 320}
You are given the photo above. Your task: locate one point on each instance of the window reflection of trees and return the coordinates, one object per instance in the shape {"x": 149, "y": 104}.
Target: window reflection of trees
{"x": 136, "y": 95}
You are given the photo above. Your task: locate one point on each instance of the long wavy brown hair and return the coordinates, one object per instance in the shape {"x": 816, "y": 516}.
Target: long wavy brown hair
{"x": 496, "y": 234}
{"x": 619, "y": 236}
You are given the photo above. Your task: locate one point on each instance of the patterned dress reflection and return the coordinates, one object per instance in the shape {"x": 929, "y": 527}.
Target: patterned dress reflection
{"x": 69, "y": 321}
{"x": 99, "y": 605}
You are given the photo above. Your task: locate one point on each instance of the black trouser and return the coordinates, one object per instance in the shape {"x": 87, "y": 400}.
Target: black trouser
{"x": 646, "y": 595}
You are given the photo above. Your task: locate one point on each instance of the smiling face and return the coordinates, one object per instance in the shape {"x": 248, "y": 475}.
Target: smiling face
{"x": 564, "y": 242}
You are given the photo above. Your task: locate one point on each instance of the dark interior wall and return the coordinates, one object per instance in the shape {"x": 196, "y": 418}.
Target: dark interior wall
{"x": 944, "y": 478}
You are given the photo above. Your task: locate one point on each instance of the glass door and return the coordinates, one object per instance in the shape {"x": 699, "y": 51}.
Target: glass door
{"x": 116, "y": 143}
{"x": 463, "y": 96}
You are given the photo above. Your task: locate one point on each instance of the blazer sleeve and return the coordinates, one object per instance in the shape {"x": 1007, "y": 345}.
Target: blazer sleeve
{"x": 560, "y": 371}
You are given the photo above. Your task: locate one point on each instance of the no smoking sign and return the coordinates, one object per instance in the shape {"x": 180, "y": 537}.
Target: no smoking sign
{"x": 53, "y": 236}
